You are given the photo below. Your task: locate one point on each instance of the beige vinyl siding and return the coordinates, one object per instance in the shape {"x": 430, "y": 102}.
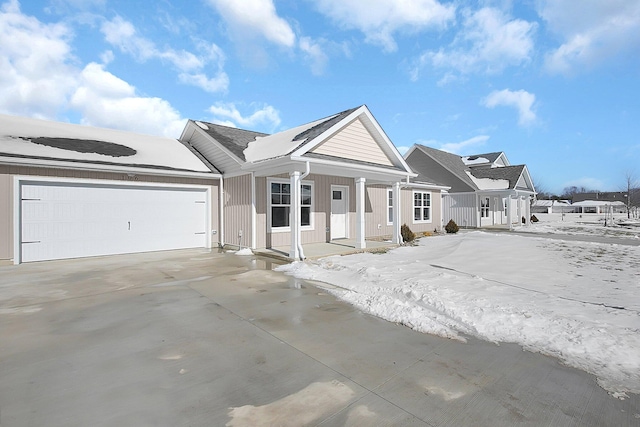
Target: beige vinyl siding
{"x": 237, "y": 211}
{"x": 6, "y": 194}
{"x": 376, "y": 214}
{"x": 356, "y": 143}
{"x": 214, "y": 154}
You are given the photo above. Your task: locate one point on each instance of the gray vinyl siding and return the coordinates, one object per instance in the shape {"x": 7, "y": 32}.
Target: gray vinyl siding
{"x": 6, "y": 194}
{"x": 462, "y": 208}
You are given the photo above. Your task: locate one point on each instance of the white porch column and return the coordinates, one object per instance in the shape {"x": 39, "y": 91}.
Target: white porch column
{"x": 509, "y": 219}
{"x": 360, "y": 207}
{"x": 221, "y": 214}
{"x": 253, "y": 211}
{"x": 519, "y": 201}
{"x": 397, "y": 236}
{"x": 527, "y": 208}
{"x": 294, "y": 215}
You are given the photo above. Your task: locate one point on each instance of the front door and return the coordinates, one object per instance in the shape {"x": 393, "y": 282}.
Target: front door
{"x": 339, "y": 203}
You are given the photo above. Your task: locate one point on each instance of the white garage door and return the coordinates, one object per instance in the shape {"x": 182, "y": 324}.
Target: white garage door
{"x": 63, "y": 220}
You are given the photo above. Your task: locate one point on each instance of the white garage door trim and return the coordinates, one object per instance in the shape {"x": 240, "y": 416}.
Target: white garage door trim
{"x": 171, "y": 200}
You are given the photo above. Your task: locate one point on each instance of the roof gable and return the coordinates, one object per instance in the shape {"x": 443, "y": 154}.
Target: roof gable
{"x": 353, "y": 142}
{"x": 233, "y": 139}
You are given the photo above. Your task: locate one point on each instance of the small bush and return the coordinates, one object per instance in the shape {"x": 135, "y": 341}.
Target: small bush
{"x": 407, "y": 234}
{"x": 534, "y": 218}
{"x": 451, "y": 227}
{"x": 524, "y": 220}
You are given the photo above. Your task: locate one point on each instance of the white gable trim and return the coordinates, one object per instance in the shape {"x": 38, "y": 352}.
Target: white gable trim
{"x": 196, "y": 128}
{"x": 387, "y": 147}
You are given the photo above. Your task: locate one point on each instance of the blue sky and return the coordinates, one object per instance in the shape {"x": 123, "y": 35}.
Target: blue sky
{"x": 554, "y": 84}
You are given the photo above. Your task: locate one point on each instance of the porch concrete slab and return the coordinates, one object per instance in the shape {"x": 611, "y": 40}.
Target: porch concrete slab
{"x": 324, "y": 249}
{"x": 205, "y": 338}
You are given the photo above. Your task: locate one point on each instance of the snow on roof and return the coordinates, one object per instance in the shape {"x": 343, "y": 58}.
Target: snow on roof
{"x": 489, "y": 183}
{"x": 27, "y": 138}
{"x": 474, "y": 160}
{"x": 598, "y": 203}
{"x": 278, "y": 144}
{"x": 548, "y": 203}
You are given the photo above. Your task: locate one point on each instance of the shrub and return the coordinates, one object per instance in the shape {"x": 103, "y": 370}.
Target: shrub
{"x": 407, "y": 234}
{"x": 451, "y": 227}
{"x": 524, "y": 220}
{"x": 534, "y": 218}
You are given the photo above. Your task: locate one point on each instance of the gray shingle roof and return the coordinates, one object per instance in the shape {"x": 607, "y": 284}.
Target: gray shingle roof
{"x": 233, "y": 139}
{"x": 510, "y": 173}
{"x": 452, "y": 162}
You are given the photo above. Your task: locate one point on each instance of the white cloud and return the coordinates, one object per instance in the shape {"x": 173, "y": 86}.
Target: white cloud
{"x": 37, "y": 79}
{"x": 593, "y": 31}
{"x": 123, "y": 35}
{"x": 108, "y": 101}
{"x": 402, "y": 149}
{"x": 314, "y": 54}
{"x": 519, "y": 99}
{"x": 379, "y": 20}
{"x": 263, "y": 116}
{"x": 250, "y": 18}
{"x": 463, "y": 147}
{"x": 36, "y": 71}
{"x": 488, "y": 42}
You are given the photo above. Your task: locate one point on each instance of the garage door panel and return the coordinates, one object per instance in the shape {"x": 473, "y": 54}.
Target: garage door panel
{"x": 69, "y": 221}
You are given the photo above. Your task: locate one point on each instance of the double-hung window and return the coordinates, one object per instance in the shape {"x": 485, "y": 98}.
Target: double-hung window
{"x": 421, "y": 206}
{"x": 484, "y": 207}
{"x": 280, "y": 204}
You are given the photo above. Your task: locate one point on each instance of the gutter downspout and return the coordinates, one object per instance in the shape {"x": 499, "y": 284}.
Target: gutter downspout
{"x": 221, "y": 208}
{"x": 298, "y": 229}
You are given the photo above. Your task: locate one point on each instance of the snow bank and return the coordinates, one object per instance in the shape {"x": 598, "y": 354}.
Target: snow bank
{"x": 577, "y": 301}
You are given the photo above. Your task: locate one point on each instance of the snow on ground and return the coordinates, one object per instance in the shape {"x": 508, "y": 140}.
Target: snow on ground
{"x": 586, "y": 224}
{"x": 577, "y": 301}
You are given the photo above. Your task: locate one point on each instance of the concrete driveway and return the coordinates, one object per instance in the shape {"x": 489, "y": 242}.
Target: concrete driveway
{"x": 197, "y": 338}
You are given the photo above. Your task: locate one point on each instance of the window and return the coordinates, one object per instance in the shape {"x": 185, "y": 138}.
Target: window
{"x": 484, "y": 207}
{"x": 421, "y": 206}
{"x": 505, "y": 208}
{"x": 389, "y": 206}
{"x": 280, "y": 204}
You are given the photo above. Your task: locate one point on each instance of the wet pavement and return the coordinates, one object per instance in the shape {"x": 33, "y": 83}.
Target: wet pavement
{"x": 198, "y": 338}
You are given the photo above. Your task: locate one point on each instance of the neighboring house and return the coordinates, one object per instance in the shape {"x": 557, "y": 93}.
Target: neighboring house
{"x": 339, "y": 177}
{"x": 70, "y": 191}
{"x": 551, "y": 206}
{"x": 599, "y": 207}
{"x": 486, "y": 190}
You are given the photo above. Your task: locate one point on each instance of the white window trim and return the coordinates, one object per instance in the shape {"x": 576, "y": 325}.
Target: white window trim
{"x": 311, "y": 225}
{"x": 389, "y": 206}
{"x": 413, "y": 205}
{"x": 486, "y": 208}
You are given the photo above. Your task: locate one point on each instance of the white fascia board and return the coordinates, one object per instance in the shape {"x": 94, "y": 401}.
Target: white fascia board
{"x": 22, "y": 179}
{"x": 411, "y": 149}
{"x": 390, "y": 146}
{"x": 217, "y": 144}
{"x": 341, "y": 166}
{"x": 426, "y": 185}
{"x": 61, "y": 164}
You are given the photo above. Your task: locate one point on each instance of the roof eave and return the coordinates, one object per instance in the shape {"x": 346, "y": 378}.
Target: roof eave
{"x": 136, "y": 170}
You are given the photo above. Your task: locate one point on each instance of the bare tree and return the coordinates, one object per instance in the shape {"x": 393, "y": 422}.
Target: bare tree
{"x": 632, "y": 190}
